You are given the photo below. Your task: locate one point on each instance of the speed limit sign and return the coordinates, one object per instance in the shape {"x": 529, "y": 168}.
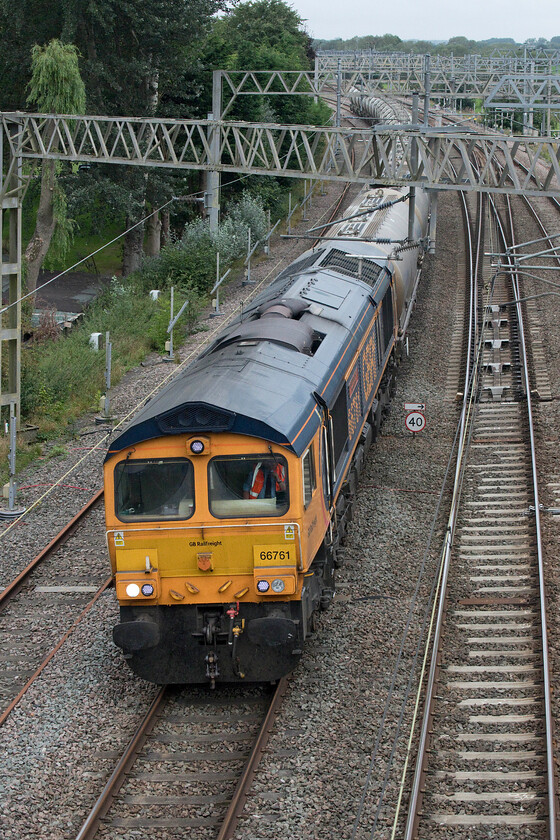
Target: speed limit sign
{"x": 415, "y": 421}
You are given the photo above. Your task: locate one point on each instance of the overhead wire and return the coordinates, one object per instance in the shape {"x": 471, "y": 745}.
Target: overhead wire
{"x": 112, "y": 242}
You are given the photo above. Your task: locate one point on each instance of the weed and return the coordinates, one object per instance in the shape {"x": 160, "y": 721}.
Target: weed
{"x": 56, "y": 451}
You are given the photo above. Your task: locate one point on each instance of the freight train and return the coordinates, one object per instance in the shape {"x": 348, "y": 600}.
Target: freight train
{"x": 228, "y": 494}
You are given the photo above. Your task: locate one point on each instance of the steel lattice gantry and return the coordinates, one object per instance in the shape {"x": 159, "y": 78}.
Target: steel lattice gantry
{"x": 501, "y": 83}
{"x": 382, "y": 154}
{"x": 443, "y": 77}
{"x": 11, "y": 187}
{"x": 409, "y": 155}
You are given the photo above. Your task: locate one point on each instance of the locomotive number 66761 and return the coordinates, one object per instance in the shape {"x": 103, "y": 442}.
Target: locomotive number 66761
{"x": 229, "y": 492}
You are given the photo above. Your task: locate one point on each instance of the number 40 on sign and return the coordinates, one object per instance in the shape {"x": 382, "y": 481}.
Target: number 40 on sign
{"x": 415, "y": 421}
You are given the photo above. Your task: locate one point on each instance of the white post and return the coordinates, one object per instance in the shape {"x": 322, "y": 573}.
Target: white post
{"x": 12, "y": 512}
{"x": 170, "y": 329}
{"x": 267, "y": 240}
{"x": 217, "y": 309}
{"x": 289, "y": 213}
{"x": 216, "y": 287}
{"x": 108, "y": 358}
{"x": 249, "y": 255}
{"x": 12, "y": 457}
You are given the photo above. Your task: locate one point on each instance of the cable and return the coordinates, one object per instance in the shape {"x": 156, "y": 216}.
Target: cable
{"x": 112, "y": 241}
{"x": 160, "y": 385}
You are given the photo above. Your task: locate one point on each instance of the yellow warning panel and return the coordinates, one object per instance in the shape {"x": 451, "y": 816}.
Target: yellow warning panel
{"x": 136, "y": 559}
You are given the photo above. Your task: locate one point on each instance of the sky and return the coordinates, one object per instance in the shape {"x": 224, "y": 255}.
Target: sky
{"x": 431, "y": 19}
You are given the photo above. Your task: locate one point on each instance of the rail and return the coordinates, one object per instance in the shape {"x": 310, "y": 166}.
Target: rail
{"x": 470, "y": 398}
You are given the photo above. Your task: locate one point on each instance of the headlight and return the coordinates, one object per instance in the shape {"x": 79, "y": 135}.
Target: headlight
{"x": 147, "y": 590}
{"x": 278, "y": 585}
{"x": 263, "y": 586}
{"x": 133, "y": 590}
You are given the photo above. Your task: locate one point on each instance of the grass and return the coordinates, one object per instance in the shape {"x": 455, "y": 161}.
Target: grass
{"x": 107, "y": 261}
{"x": 26, "y": 453}
{"x": 63, "y": 378}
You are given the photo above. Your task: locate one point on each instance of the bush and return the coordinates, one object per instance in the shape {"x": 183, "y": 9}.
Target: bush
{"x": 157, "y": 331}
{"x": 63, "y": 377}
{"x": 190, "y": 263}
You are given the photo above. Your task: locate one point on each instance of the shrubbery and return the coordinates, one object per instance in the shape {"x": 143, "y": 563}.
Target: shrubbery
{"x": 190, "y": 262}
{"x": 62, "y": 378}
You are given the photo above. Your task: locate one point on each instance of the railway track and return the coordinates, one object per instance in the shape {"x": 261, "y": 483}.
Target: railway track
{"x": 41, "y": 607}
{"x": 189, "y": 765}
{"x": 140, "y": 808}
{"x": 485, "y": 764}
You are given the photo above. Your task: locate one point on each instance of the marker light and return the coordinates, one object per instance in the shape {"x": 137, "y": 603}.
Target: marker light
{"x": 263, "y": 585}
{"x": 197, "y": 447}
{"x": 278, "y": 585}
{"x": 147, "y": 590}
{"x": 133, "y": 590}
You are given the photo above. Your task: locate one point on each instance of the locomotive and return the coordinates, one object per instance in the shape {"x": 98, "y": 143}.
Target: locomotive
{"x": 228, "y": 494}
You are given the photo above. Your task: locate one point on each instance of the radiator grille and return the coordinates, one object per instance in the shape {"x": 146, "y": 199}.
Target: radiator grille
{"x": 196, "y": 417}
{"x": 367, "y": 271}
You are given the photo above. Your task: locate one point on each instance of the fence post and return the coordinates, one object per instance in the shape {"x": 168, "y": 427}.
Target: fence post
{"x": 12, "y": 512}
{"x": 216, "y": 288}
{"x": 267, "y": 240}
{"x": 289, "y": 213}
{"x": 108, "y": 360}
{"x": 105, "y": 402}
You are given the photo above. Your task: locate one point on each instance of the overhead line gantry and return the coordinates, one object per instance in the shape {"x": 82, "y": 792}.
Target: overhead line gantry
{"x": 414, "y": 155}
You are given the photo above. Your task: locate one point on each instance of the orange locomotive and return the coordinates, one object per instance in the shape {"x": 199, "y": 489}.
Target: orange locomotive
{"x": 229, "y": 492}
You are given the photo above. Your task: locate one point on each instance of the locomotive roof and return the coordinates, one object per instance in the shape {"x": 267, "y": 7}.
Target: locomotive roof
{"x": 261, "y": 374}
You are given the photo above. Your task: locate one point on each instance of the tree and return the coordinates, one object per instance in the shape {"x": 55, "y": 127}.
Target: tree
{"x": 137, "y": 57}
{"x": 56, "y": 87}
{"x": 263, "y": 35}
{"x": 140, "y": 57}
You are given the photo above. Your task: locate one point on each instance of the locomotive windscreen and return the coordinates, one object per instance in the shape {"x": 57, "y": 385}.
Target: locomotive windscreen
{"x": 154, "y": 489}
{"x": 248, "y": 485}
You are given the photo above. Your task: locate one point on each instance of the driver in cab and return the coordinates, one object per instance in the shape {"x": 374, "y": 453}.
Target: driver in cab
{"x": 266, "y": 481}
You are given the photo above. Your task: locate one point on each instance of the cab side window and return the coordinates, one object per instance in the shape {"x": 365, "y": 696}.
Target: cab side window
{"x": 309, "y": 477}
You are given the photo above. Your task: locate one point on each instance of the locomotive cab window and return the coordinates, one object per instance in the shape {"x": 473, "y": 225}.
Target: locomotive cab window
{"x": 248, "y": 485}
{"x": 155, "y": 489}
{"x": 309, "y": 480}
